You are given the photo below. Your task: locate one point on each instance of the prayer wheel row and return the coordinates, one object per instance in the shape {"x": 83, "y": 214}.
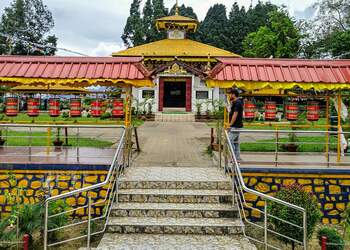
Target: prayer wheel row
{"x": 33, "y": 107}
{"x": 291, "y": 111}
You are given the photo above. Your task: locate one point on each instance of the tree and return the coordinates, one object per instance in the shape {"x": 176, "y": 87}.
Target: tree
{"x": 25, "y": 27}
{"x": 280, "y": 38}
{"x": 294, "y": 194}
{"x": 328, "y": 31}
{"x": 238, "y": 28}
{"x": 158, "y": 11}
{"x": 184, "y": 11}
{"x": 258, "y": 15}
{"x": 213, "y": 29}
{"x": 133, "y": 33}
{"x": 148, "y": 21}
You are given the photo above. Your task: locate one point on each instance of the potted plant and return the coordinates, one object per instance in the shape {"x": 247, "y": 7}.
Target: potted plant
{"x": 2, "y": 140}
{"x": 150, "y": 104}
{"x": 208, "y": 112}
{"x": 291, "y": 145}
{"x": 58, "y": 142}
{"x": 199, "y": 105}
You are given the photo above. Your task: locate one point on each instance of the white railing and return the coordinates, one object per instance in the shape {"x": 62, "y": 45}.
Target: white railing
{"x": 239, "y": 187}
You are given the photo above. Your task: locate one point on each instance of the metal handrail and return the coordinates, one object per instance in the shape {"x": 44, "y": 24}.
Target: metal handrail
{"x": 111, "y": 193}
{"x": 239, "y": 188}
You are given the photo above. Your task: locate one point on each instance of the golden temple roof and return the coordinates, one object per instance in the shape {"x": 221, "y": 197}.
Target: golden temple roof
{"x": 175, "y": 48}
{"x": 177, "y": 21}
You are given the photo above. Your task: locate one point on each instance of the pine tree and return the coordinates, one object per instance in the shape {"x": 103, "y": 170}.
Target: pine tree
{"x": 213, "y": 30}
{"x": 148, "y": 22}
{"x": 158, "y": 11}
{"x": 133, "y": 31}
{"x": 237, "y": 28}
{"x": 24, "y": 29}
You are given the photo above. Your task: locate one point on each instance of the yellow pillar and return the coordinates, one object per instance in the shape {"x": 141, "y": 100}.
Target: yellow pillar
{"x": 327, "y": 126}
{"x": 48, "y": 141}
{"x": 339, "y": 148}
{"x": 128, "y": 105}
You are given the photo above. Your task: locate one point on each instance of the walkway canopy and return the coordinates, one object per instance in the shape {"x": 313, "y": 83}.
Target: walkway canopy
{"x": 73, "y": 71}
{"x": 280, "y": 74}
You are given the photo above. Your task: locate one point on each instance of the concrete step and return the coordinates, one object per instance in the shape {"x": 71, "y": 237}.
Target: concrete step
{"x": 174, "y": 210}
{"x": 212, "y": 185}
{"x": 150, "y": 225}
{"x": 173, "y": 242}
{"x": 161, "y": 117}
{"x": 174, "y": 196}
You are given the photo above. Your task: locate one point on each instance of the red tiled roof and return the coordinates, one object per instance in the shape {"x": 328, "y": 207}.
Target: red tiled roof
{"x": 54, "y": 67}
{"x": 282, "y": 70}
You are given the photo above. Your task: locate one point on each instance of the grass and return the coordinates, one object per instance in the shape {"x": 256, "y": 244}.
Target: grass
{"x": 315, "y": 144}
{"x": 18, "y": 138}
{"x": 45, "y": 118}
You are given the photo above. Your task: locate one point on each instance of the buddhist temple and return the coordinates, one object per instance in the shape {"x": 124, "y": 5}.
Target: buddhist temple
{"x": 179, "y": 65}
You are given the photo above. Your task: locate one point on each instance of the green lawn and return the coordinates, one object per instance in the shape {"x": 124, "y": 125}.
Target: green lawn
{"x": 316, "y": 144}
{"x": 45, "y": 118}
{"x": 40, "y": 139}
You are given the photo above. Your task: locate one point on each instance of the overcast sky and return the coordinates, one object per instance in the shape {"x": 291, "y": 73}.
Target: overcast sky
{"x": 94, "y": 27}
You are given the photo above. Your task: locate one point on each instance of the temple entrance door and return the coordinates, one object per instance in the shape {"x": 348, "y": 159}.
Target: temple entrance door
{"x": 175, "y": 94}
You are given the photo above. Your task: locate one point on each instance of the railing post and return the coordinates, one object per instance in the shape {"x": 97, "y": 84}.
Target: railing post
{"x": 30, "y": 144}
{"x": 26, "y": 242}
{"x": 89, "y": 224}
{"x": 323, "y": 243}
{"x": 276, "y": 148}
{"x": 305, "y": 230}
{"x": 265, "y": 225}
{"x": 328, "y": 149}
{"x": 78, "y": 134}
{"x": 46, "y": 217}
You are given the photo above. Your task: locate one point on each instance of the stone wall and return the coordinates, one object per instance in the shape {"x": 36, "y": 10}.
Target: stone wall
{"x": 41, "y": 179}
{"x": 331, "y": 187}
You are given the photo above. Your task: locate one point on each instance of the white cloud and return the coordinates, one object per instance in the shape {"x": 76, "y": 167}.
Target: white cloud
{"x": 94, "y": 27}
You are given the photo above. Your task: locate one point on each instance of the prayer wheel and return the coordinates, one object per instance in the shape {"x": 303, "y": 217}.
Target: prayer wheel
{"x": 249, "y": 110}
{"x": 96, "y": 108}
{"x": 118, "y": 108}
{"x": 54, "y": 107}
{"x": 292, "y": 111}
{"x": 313, "y": 111}
{"x": 270, "y": 111}
{"x": 75, "y": 107}
{"x": 12, "y": 106}
{"x": 33, "y": 105}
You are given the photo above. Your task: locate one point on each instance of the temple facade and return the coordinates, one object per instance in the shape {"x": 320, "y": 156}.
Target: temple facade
{"x": 178, "y": 65}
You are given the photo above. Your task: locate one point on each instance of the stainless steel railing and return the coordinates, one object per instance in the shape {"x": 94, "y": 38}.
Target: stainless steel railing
{"x": 315, "y": 148}
{"x": 94, "y": 225}
{"x": 240, "y": 189}
{"x": 35, "y": 143}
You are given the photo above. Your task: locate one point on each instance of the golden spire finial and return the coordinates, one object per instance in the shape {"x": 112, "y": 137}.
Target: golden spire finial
{"x": 177, "y": 8}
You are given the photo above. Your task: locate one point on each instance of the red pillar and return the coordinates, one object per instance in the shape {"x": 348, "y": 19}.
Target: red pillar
{"x": 161, "y": 94}
{"x": 189, "y": 95}
{"x": 323, "y": 242}
{"x": 26, "y": 242}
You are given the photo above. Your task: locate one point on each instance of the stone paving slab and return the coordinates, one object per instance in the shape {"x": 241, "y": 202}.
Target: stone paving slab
{"x": 173, "y": 242}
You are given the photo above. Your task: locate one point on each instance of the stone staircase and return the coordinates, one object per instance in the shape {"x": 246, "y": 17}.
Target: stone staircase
{"x": 174, "y": 208}
{"x": 180, "y": 117}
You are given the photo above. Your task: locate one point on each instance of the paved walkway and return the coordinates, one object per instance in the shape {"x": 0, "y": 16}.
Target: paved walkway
{"x": 174, "y": 144}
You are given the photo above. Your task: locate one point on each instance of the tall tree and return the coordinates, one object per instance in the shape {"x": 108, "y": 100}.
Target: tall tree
{"x": 258, "y": 15}
{"x": 213, "y": 29}
{"x": 329, "y": 30}
{"x": 158, "y": 11}
{"x": 281, "y": 38}
{"x": 25, "y": 27}
{"x": 133, "y": 30}
{"x": 238, "y": 28}
{"x": 148, "y": 22}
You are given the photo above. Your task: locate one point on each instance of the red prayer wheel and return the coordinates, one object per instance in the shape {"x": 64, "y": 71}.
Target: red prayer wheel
{"x": 270, "y": 111}
{"x": 12, "y": 106}
{"x": 313, "y": 111}
{"x": 75, "y": 107}
{"x": 249, "y": 110}
{"x": 292, "y": 111}
{"x": 118, "y": 108}
{"x": 33, "y": 105}
{"x": 54, "y": 107}
{"x": 96, "y": 108}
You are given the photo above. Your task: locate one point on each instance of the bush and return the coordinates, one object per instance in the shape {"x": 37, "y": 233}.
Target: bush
{"x": 333, "y": 237}
{"x": 106, "y": 116}
{"x": 294, "y": 194}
